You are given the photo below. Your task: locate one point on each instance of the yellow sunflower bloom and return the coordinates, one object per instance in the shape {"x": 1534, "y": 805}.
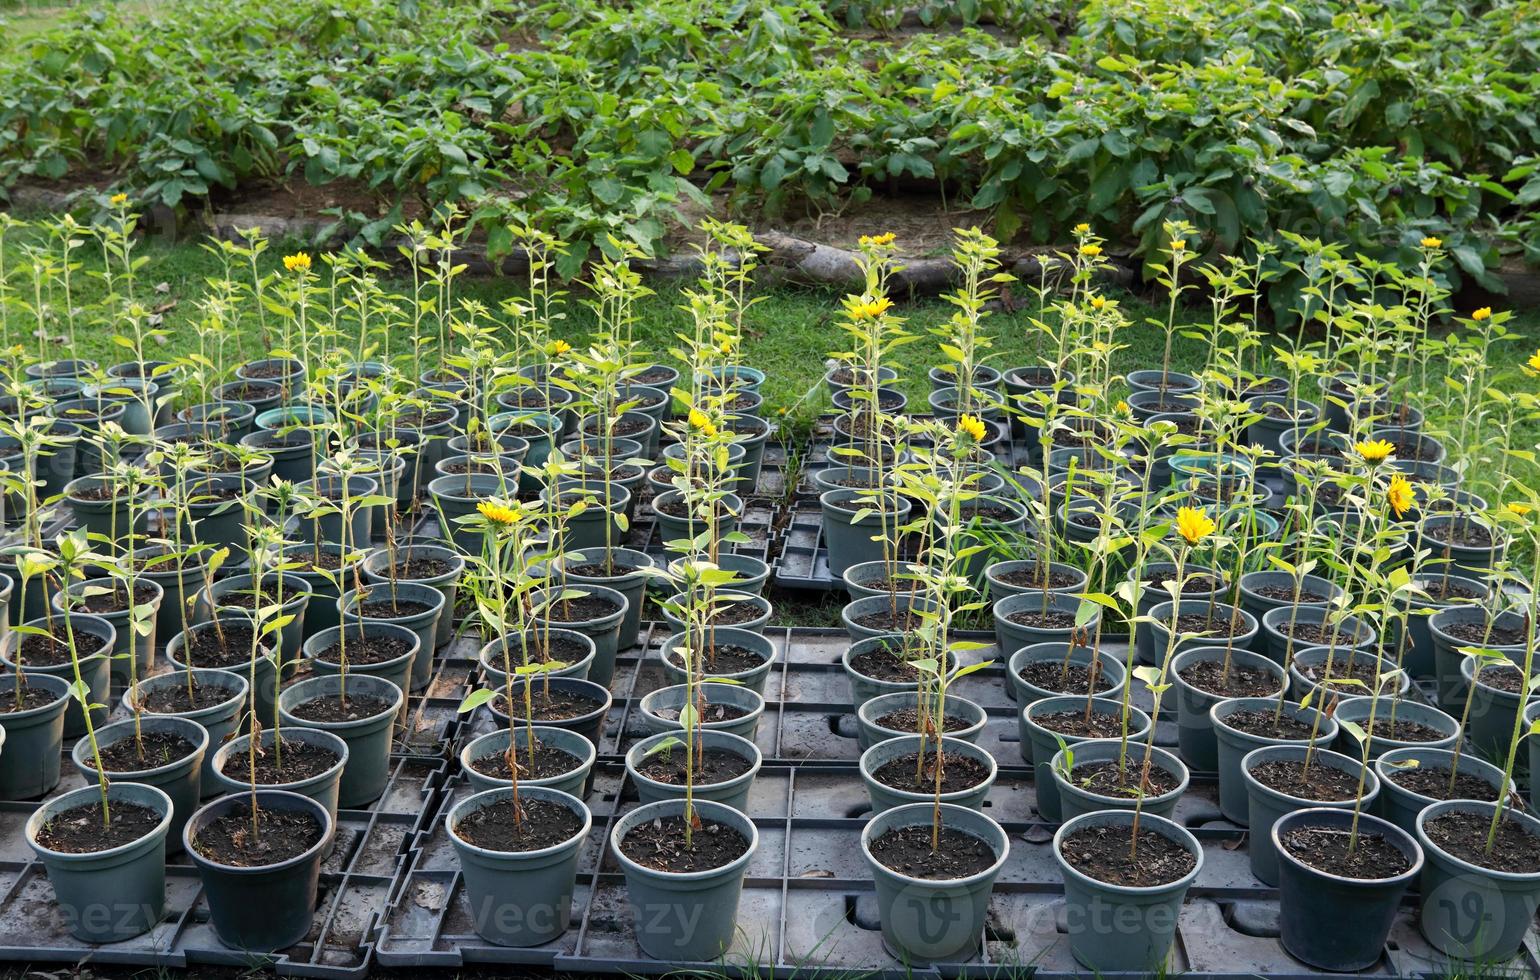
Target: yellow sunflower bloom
{"x": 1084, "y": 228}
{"x": 497, "y": 513}
{"x": 1400, "y": 495}
{"x": 1090, "y": 250}
{"x": 1534, "y": 362}
{"x": 1375, "y": 450}
{"x": 1098, "y": 302}
{"x": 1431, "y": 242}
{"x": 870, "y": 309}
{"x": 1193, "y": 524}
{"x": 700, "y": 423}
{"x": 1485, "y": 313}
{"x": 971, "y": 427}
{"x": 118, "y": 200}
{"x": 298, "y": 262}
{"x": 1518, "y": 509}
{"x": 557, "y": 348}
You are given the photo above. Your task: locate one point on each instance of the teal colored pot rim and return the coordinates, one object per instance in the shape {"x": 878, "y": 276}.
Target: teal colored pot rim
{"x": 200, "y": 739}
{"x": 1219, "y": 711}
{"x": 90, "y": 794}
{"x": 493, "y": 647}
{"x": 324, "y": 639}
{"x": 1339, "y": 761}
{"x": 949, "y": 744}
{"x": 1527, "y": 879}
{"x": 724, "y": 740}
{"x": 1164, "y": 758}
{"x": 1138, "y": 720}
{"x": 476, "y": 801}
{"x": 585, "y": 761}
{"x": 757, "y": 642}
{"x": 1480, "y": 768}
{"x": 1367, "y": 823}
{"x": 706, "y": 810}
{"x": 409, "y": 551}
{"x": 48, "y": 681}
{"x": 919, "y": 814}
{"x": 649, "y": 702}
{"x": 1167, "y": 828}
{"x": 418, "y": 593}
{"x": 288, "y": 801}
{"x": 971, "y": 710}
{"x": 372, "y": 684}
{"x": 336, "y": 744}
{"x": 227, "y": 680}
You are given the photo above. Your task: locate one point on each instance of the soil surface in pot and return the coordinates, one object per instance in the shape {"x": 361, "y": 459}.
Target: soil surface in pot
{"x": 1371, "y": 857}
{"x": 622, "y": 427}
{"x": 1263, "y": 725}
{"x": 1323, "y": 783}
{"x": 582, "y": 610}
{"x": 1480, "y": 633}
{"x": 1403, "y": 730}
{"x": 1029, "y": 578}
{"x": 1503, "y": 677}
{"x": 714, "y": 712}
{"x": 245, "y": 599}
{"x": 150, "y": 751}
{"x": 79, "y": 829}
{"x": 883, "y": 665}
{"x": 384, "y": 608}
{"x": 908, "y": 851}
{"x": 735, "y": 613}
{"x": 238, "y": 392}
{"x": 1212, "y": 627}
{"x": 908, "y": 720}
{"x": 553, "y": 705}
{"x": 1440, "y": 590}
{"x": 416, "y": 569}
{"x": 1344, "y": 666}
{"x": 958, "y": 773}
{"x": 548, "y": 761}
{"x": 31, "y": 697}
{"x": 535, "y": 825}
{"x": 1199, "y": 584}
{"x": 1242, "y": 682}
{"x": 1464, "y": 835}
{"x": 296, "y": 762}
{"x": 1055, "y": 675}
{"x": 660, "y": 845}
{"x": 1316, "y": 634}
{"x": 1102, "y": 853}
{"x": 1434, "y": 784}
{"x": 1465, "y": 534}
{"x": 564, "y": 649}
{"x": 596, "y": 569}
{"x": 174, "y": 700}
{"x": 713, "y": 766}
{"x": 726, "y": 658}
{"x": 311, "y": 561}
{"x": 1049, "y": 619}
{"x": 208, "y": 648}
{"x": 53, "y": 649}
{"x": 883, "y": 621}
{"x": 1285, "y": 593}
{"x": 117, "y": 599}
{"x": 1108, "y": 779}
{"x": 1100, "y": 724}
{"x": 367, "y": 649}
{"x": 331, "y": 708}
{"x": 97, "y": 493}
{"x": 281, "y": 835}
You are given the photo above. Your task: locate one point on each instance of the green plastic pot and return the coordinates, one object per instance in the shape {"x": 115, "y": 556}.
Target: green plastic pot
{"x": 1075, "y": 799}
{"x": 590, "y": 724}
{"x": 1350, "y": 631}
{"x": 1356, "y": 710}
{"x": 1013, "y": 636}
{"x": 1259, "y": 605}
{"x": 368, "y": 765}
{"x": 731, "y": 792}
{"x": 1468, "y": 912}
{"x": 105, "y": 519}
{"x": 673, "y": 528}
{"x": 574, "y": 781}
{"x": 329, "y": 528}
{"x": 424, "y": 622}
{"x": 377, "y": 570}
{"x": 1111, "y": 669}
{"x": 884, "y": 797}
{"x": 999, "y": 588}
{"x": 217, "y": 523}
{"x": 1400, "y": 805}
{"x": 755, "y": 625}
{"x": 264, "y": 696}
{"x": 1267, "y": 805}
{"x": 755, "y": 678}
{"x": 219, "y": 720}
{"x": 493, "y": 653}
{"x": 752, "y": 573}
{"x": 671, "y": 699}
{"x": 398, "y": 670}
{"x": 854, "y": 610}
{"x": 1195, "y": 737}
{"x": 870, "y": 731}
{"x": 126, "y": 643}
{"x": 322, "y": 787}
{"x": 603, "y": 630}
{"x": 1492, "y": 713}
{"x": 296, "y": 602}
{"x": 33, "y": 740}
{"x": 321, "y": 613}
{"x": 849, "y": 526}
{"x": 180, "y": 779}
{"x": 631, "y": 573}
{"x": 1234, "y": 745}
{"x": 458, "y": 496}
{"x": 1039, "y": 744}
{"x": 864, "y": 688}
{"x": 94, "y": 640}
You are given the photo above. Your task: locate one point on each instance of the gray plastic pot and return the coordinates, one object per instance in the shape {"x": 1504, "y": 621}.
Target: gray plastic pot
{"x": 574, "y": 781}
{"x": 850, "y": 541}
{"x": 94, "y": 640}
{"x": 925, "y": 920}
{"x": 879, "y": 603}
{"x": 492, "y": 655}
{"x": 1331, "y": 921}
{"x": 107, "y": 518}
{"x": 1267, "y": 431}
{"x": 1349, "y": 630}
{"x": 1447, "y": 658}
{"x": 1532, "y": 715}
{"x": 1465, "y": 559}
{"x": 321, "y": 787}
{"x": 1309, "y": 669}
{"x": 376, "y": 569}
{"x": 284, "y": 893}
{"x": 672, "y": 698}
{"x": 1469, "y": 912}
{"x": 1246, "y": 627}
{"x": 142, "y": 647}
{"x": 1400, "y": 805}
{"x": 34, "y": 740}
{"x": 1110, "y": 668}
{"x": 1356, "y": 710}
{"x": 1075, "y": 799}
{"x": 603, "y": 630}
{"x": 629, "y": 579}
{"x": 322, "y": 612}
{"x": 219, "y": 720}
{"x": 112, "y": 895}
{"x": 1195, "y": 729}
{"x": 398, "y": 671}
{"x": 1492, "y": 713}
{"x": 590, "y": 725}
{"x": 751, "y": 572}
{"x": 869, "y": 715}
{"x": 1013, "y": 636}
{"x": 329, "y": 527}
{"x": 998, "y": 588}
{"x": 296, "y": 600}
{"x": 596, "y": 524}
{"x": 688, "y": 916}
{"x": 457, "y": 496}
{"x": 864, "y": 688}
{"x": 424, "y": 623}
{"x": 1122, "y": 929}
{"x": 885, "y": 797}
{"x": 1267, "y": 805}
{"x": 1039, "y": 745}
{"x": 1260, "y": 605}
{"x": 368, "y": 766}
{"x": 732, "y": 792}
{"x": 755, "y": 678}
{"x": 673, "y": 528}
{"x": 519, "y": 898}
{"x": 1416, "y": 645}
{"x": 265, "y": 695}
{"x": 180, "y": 779}
{"x": 857, "y": 578}
{"x": 754, "y": 625}
{"x": 1234, "y": 745}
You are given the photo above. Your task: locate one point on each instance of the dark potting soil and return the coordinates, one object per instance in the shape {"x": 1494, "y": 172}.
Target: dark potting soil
{"x": 582, "y": 610}
{"x": 1434, "y": 784}
{"x": 1194, "y": 585}
{"x": 652, "y": 376}
{"x": 207, "y": 649}
{"x": 735, "y": 613}
{"x": 1051, "y": 619}
{"x": 37, "y": 650}
{"x": 714, "y": 711}
{"x": 564, "y": 649}
{"x": 416, "y": 569}
{"x": 596, "y": 570}
{"x": 415, "y": 419}
{"x": 384, "y": 608}
{"x": 549, "y": 761}
{"x": 1277, "y": 410}
{"x": 713, "y": 766}
{"x": 1285, "y": 593}
{"x": 1216, "y": 627}
{"x": 1055, "y": 675}
{"x": 1464, "y": 835}
{"x": 309, "y": 560}
{"x": 365, "y": 650}
{"x": 281, "y": 835}
{"x": 908, "y": 720}
{"x": 296, "y": 762}
{"x": 907, "y": 851}
{"x": 1315, "y": 634}
{"x": 1327, "y": 850}
{"x": 958, "y": 773}
{"x": 1441, "y": 589}
{"x": 883, "y": 665}
{"x": 1100, "y": 725}
{"x": 553, "y": 705}
{"x": 246, "y": 598}
{"x": 1102, "y": 853}
{"x": 887, "y": 586}
{"x": 247, "y": 392}
{"x": 1110, "y": 779}
{"x": 884, "y": 621}
{"x": 1262, "y": 723}
{"x": 1468, "y": 534}
{"x": 31, "y": 697}
{"x": 174, "y": 700}
{"x": 1478, "y": 633}
{"x": 535, "y": 825}
{"x": 117, "y": 599}
{"x": 1242, "y": 682}
{"x": 331, "y": 708}
{"x": 1403, "y": 730}
{"x": 1031, "y": 578}
{"x": 265, "y": 371}
{"x": 660, "y": 845}
{"x": 1267, "y": 386}
{"x": 986, "y": 511}
{"x": 1504, "y": 677}
{"x": 150, "y": 751}
{"x": 79, "y": 830}
{"x": 673, "y": 507}
{"x": 207, "y": 494}
{"x": 1323, "y": 784}
{"x": 726, "y": 658}
{"x": 97, "y": 493}
{"x": 1345, "y": 666}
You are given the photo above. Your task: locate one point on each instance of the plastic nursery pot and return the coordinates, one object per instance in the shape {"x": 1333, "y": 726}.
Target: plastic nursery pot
{"x": 598, "y": 615}
{"x": 842, "y": 377}
{"x": 1356, "y": 710}
{"x": 233, "y": 595}
{"x": 103, "y": 509}
{"x": 540, "y": 430}
{"x": 1121, "y": 928}
{"x": 1332, "y": 921}
{"x": 588, "y": 723}
{"x": 622, "y": 570}
{"x": 69, "y": 368}
{"x": 864, "y": 686}
{"x": 288, "y": 373}
{"x": 751, "y": 573}
{"x": 753, "y": 678}
{"x": 294, "y": 453}
{"x": 864, "y": 579}
{"x": 259, "y": 395}
{"x": 457, "y": 496}
{"x": 30, "y": 750}
{"x": 684, "y": 916}
{"x": 753, "y": 432}
{"x": 1467, "y": 626}
{"x": 965, "y": 720}
{"x": 519, "y": 898}
{"x": 180, "y": 778}
{"x": 1310, "y": 667}
{"x": 674, "y": 524}
{"x": 1196, "y": 739}
{"x": 1266, "y": 804}
{"x": 1033, "y": 617}
{"x": 368, "y": 734}
{"x": 494, "y": 744}
{"x": 319, "y": 648}
{"x": 761, "y": 608}
{"x": 1234, "y": 743}
{"x": 926, "y": 920}
{"x": 388, "y": 470}
{"x": 1007, "y": 578}
{"x": 94, "y": 639}
{"x": 1040, "y": 743}
{"x": 1168, "y": 382}
{"x": 1465, "y": 558}
{"x": 1531, "y": 715}
{"x": 115, "y": 894}
{"x": 127, "y": 641}
{"x": 410, "y": 604}
{"x": 1218, "y": 617}
{"x": 1281, "y": 629}
{"x": 570, "y": 647}
{"x": 436, "y": 566}
{"x": 235, "y": 419}
{"x": 1279, "y": 414}
{"x": 1069, "y": 668}
{"x": 264, "y": 695}
{"x": 732, "y": 792}
{"x": 330, "y": 528}
{"x": 884, "y": 797}
{"x": 730, "y": 708}
{"x": 597, "y": 524}
{"x": 1401, "y": 805}
{"x": 1075, "y": 797}
{"x": 1264, "y": 591}
{"x": 1411, "y": 635}
{"x": 1492, "y": 707}
{"x": 221, "y": 698}
{"x": 322, "y": 787}
{"x": 873, "y": 615}
{"x": 322, "y": 611}
{"x": 285, "y": 892}
{"x": 1468, "y": 911}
